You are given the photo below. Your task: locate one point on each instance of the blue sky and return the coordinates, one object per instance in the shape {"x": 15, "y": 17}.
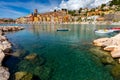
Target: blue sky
{"x": 18, "y": 8}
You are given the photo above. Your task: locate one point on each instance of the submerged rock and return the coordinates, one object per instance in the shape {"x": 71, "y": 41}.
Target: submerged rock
{"x": 2, "y": 38}
{"x": 18, "y": 53}
{"x": 35, "y": 65}
{"x": 107, "y": 60}
{"x": 4, "y": 74}
{"x": 98, "y": 52}
{"x": 116, "y": 71}
{"x": 31, "y": 56}
{"x": 23, "y": 76}
{"x": 30, "y": 63}
{"x": 104, "y": 57}
{"x": 43, "y": 74}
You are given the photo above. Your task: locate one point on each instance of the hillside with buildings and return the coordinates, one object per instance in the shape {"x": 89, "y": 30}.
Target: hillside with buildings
{"x": 49, "y": 17}
{"x": 106, "y": 13}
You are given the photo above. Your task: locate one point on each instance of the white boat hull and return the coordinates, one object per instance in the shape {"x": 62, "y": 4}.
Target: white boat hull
{"x": 104, "y": 31}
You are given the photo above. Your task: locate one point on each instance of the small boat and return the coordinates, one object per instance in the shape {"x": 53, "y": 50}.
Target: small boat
{"x": 104, "y": 31}
{"x": 62, "y": 29}
{"x": 116, "y": 29}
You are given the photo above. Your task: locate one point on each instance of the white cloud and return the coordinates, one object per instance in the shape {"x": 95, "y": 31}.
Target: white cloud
{"x": 76, "y": 4}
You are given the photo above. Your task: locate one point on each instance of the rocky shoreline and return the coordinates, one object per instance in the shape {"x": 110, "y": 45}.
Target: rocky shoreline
{"x": 5, "y": 48}
{"x": 111, "y": 55}
{"x": 111, "y": 45}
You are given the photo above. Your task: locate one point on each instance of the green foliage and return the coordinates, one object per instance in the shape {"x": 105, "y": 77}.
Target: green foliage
{"x": 118, "y": 9}
{"x": 55, "y": 10}
{"x": 80, "y": 10}
{"x": 93, "y": 9}
{"x": 64, "y": 9}
{"x": 115, "y": 2}
{"x": 71, "y": 12}
{"x": 103, "y": 5}
{"x": 79, "y": 19}
{"x": 102, "y": 14}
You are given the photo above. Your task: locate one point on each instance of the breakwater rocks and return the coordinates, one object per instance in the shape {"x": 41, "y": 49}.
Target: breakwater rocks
{"x": 5, "y": 48}
{"x": 10, "y": 28}
{"x": 111, "y": 45}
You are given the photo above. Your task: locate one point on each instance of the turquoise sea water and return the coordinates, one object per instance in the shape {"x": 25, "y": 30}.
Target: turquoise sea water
{"x": 61, "y": 55}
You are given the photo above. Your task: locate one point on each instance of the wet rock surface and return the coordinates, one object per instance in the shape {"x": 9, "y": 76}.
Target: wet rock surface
{"x": 23, "y": 76}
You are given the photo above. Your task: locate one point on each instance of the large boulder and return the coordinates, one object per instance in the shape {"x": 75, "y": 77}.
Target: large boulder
{"x": 1, "y": 33}
{"x": 115, "y": 53}
{"x": 20, "y": 28}
{"x": 4, "y": 74}
{"x": 18, "y": 52}
{"x": 5, "y": 29}
{"x": 110, "y": 48}
{"x": 99, "y": 42}
{"x": 112, "y": 41}
{"x": 6, "y": 48}
{"x": 2, "y": 55}
{"x": 2, "y": 38}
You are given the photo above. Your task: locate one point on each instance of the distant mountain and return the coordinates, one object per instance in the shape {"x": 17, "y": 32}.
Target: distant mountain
{"x": 115, "y": 2}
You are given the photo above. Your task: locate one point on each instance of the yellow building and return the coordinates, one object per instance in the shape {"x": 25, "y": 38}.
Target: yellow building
{"x": 36, "y": 19}
{"x": 108, "y": 12}
{"x": 48, "y": 19}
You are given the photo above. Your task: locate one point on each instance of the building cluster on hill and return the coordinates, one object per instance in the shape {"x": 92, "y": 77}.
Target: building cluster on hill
{"x": 49, "y": 17}
{"x": 99, "y": 14}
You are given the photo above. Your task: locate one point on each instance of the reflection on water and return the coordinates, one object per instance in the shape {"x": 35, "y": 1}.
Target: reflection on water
{"x": 66, "y": 54}
{"x": 76, "y": 31}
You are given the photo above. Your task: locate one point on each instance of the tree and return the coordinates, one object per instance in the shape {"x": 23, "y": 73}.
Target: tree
{"x": 80, "y": 10}
{"x": 103, "y": 5}
{"x": 102, "y": 14}
{"x": 55, "y": 10}
{"x": 71, "y": 12}
{"x": 114, "y": 2}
